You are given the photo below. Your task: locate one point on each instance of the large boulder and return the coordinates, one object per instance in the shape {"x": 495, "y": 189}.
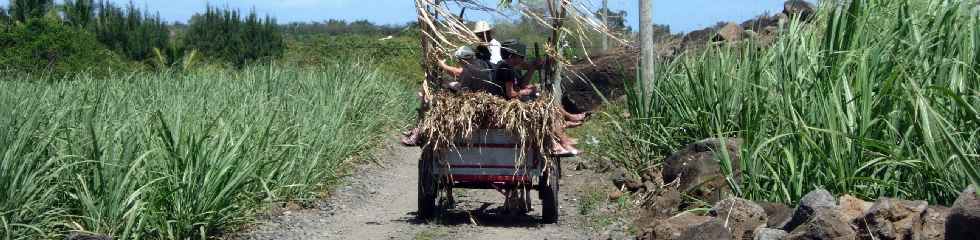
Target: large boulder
{"x": 698, "y": 170}
{"x": 740, "y": 216}
{"x": 731, "y": 32}
{"x": 805, "y": 10}
{"x": 892, "y": 219}
{"x": 816, "y": 201}
{"x": 777, "y": 213}
{"x": 710, "y": 230}
{"x": 769, "y": 234}
{"x": 671, "y": 228}
{"x": 853, "y": 208}
{"x": 825, "y": 224}
{"x": 934, "y": 223}
{"x": 963, "y": 221}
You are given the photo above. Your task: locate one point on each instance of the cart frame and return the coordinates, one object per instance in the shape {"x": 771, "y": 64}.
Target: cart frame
{"x": 490, "y": 159}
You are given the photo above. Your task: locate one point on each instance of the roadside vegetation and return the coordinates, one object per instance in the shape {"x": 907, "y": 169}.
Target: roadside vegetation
{"x": 178, "y": 156}
{"x": 119, "y": 124}
{"x": 53, "y": 41}
{"x": 874, "y": 98}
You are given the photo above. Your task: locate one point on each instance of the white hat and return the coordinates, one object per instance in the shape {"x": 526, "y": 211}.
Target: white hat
{"x": 482, "y": 26}
{"x": 464, "y": 52}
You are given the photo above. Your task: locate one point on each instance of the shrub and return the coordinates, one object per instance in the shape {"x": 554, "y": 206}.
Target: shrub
{"x": 44, "y": 46}
{"x": 129, "y": 32}
{"x": 23, "y": 10}
{"x": 222, "y": 34}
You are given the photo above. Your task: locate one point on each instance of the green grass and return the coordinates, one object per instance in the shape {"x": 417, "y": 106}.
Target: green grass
{"x": 431, "y": 234}
{"x": 876, "y": 98}
{"x": 181, "y": 156}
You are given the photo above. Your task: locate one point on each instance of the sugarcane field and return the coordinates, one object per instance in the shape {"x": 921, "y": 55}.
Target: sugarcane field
{"x": 490, "y": 119}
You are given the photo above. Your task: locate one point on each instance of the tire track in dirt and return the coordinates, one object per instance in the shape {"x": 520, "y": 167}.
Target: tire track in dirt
{"x": 379, "y": 202}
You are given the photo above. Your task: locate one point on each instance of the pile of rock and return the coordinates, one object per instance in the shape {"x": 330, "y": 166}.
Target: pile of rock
{"x": 695, "y": 171}
{"x": 821, "y": 216}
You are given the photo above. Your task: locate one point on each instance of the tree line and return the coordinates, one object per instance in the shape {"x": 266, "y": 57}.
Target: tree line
{"x": 336, "y": 27}
{"x": 132, "y": 34}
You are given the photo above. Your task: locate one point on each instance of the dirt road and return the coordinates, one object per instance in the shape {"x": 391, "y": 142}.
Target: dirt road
{"x": 379, "y": 202}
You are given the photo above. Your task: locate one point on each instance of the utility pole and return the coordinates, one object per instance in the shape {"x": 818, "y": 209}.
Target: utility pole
{"x": 645, "y": 85}
{"x": 605, "y": 23}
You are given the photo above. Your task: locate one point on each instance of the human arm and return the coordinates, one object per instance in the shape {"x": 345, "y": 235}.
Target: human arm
{"x": 513, "y": 92}
{"x": 532, "y": 68}
{"x": 455, "y": 71}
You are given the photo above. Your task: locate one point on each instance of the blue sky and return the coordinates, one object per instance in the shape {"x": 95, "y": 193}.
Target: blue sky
{"x": 681, "y": 15}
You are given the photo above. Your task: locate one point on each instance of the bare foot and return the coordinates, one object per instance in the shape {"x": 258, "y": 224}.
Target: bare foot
{"x": 411, "y": 139}
{"x": 575, "y": 117}
{"x": 572, "y": 124}
{"x": 557, "y": 149}
{"x": 571, "y": 150}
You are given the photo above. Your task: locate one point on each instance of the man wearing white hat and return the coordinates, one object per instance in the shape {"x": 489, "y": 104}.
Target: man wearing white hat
{"x": 484, "y": 31}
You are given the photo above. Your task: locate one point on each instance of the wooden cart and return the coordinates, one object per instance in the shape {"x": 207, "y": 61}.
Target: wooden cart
{"x": 490, "y": 159}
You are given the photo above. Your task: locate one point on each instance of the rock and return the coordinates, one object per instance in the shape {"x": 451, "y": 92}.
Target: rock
{"x": 619, "y": 178}
{"x": 731, "y": 32}
{"x": 652, "y": 175}
{"x": 963, "y": 221}
{"x": 769, "y": 234}
{"x": 761, "y": 23}
{"x": 740, "y": 216}
{"x": 579, "y": 166}
{"x": 891, "y": 219}
{"x": 710, "y": 230}
{"x": 777, "y": 213}
{"x": 662, "y": 202}
{"x": 671, "y": 228}
{"x": 812, "y": 203}
{"x": 853, "y": 208}
{"x": 804, "y": 9}
{"x": 650, "y": 186}
{"x": 823, "y": 224}
{"x": 634, "y": 186}
{"x": 86, "y": 236}
{"x": 292, "y": 206}
{"x": 698, "y": 171}
{"x": 615, "y": 195}
{"x": 934, "y": 223}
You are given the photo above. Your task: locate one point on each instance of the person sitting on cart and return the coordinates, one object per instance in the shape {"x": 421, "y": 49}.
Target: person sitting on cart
{"x": 517, "y": 86}
{"x": 472, "y": 75}
{"x": 484, "y": 31}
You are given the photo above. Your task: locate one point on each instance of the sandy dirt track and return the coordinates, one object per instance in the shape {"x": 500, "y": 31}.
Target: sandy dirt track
{"x": 379, "y": 202}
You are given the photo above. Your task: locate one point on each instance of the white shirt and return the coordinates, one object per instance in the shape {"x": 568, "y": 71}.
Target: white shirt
{"x": 494, "y": 47}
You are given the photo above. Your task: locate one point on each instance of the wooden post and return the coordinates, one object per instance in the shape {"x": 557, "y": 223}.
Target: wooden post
{"x": 647, "y": 51}
{"x": 559, "y": 37}
{"x": 605, "y": 23}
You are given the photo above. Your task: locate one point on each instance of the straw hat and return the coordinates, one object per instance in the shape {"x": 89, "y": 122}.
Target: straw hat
{"x": 482, "y": 26}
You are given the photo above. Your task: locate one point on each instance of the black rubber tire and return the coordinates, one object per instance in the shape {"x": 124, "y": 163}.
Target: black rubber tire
{"x": 426, "y": 188}
{"x": 548, "y": 192}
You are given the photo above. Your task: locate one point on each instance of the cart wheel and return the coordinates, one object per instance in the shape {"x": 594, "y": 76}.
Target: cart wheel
{"x": 427, "y": 188}
{"x": 548, "y": 192}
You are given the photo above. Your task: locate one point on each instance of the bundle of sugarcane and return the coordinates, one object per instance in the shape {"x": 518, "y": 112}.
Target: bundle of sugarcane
{"x": 455, "y": 116}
